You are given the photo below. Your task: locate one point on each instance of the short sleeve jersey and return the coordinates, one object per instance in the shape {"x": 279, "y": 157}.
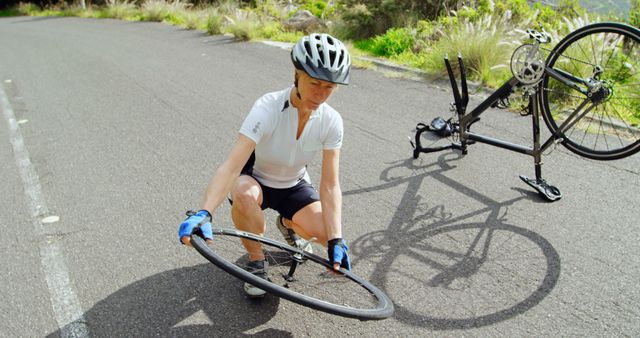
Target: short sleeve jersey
{"x": 280, "y": 158}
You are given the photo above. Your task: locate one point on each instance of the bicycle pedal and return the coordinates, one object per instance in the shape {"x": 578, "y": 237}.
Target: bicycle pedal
{"x": 549, "y": 192}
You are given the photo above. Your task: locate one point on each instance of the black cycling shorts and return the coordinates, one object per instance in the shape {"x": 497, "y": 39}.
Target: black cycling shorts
{"x": 287, "y": 201}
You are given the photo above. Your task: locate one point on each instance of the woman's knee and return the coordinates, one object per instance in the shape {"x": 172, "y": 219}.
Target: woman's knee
{"x": 308, "y": 223}
{"x": 246, "y": 195}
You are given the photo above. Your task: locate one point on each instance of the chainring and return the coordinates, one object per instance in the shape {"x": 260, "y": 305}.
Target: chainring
{"x": 527, "y": 64}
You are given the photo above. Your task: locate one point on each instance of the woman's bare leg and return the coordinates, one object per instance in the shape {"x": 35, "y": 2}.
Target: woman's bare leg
{"x": 247, "y": 214}
{"x": 308, "y": 223}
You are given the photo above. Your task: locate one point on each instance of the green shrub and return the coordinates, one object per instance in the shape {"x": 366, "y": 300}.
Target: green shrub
{"x": 415, "y": 60}
{"x": 426, "y": 33}
{"x": 519, "y": 9}
{"x": 75, "y": 10}
{"x": 27, "y": 8}
{"x": 155, "y": 10}
{"x": 269, "y": 29}
{"x": 634, "y": 13}
{"x": 123, "y": 10}
{"x": 360, "y": 20}
{"x": 394, "y": 42}
{"x": 227, "y": 7}
{"x": 245, "y": 26}
{"x": 392, "y": 12}
{"x": 486, "y": 6}
{"x": 214, "y": 22}
{"x": 176, "y": 18}
{"x": 269, "y": 9}
{"x": 546, "y": 15}
{"x": 316, "y": 7}
{"x": 194, "y": 19}
{"x": 570, "y": 8}
{"x": 287, "y": 36}
{"x": 189, "y": 19}
{"x": 319, "y": 8}
{"x": 243, "y": 30}
{"x": 161, "y": 10}
{"x": 468, "y": 13}
{"x": 486, "y": 46}
{"x": 447, "y": 20}
{"x": 9, "y": 12}
{"x": 273, "y": 30}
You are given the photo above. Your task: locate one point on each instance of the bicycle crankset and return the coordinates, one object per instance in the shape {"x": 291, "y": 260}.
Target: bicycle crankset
{"x": 527, "y": 64}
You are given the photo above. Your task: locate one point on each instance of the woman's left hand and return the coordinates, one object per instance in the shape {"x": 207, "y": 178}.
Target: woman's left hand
{"x": 338, "y": 254}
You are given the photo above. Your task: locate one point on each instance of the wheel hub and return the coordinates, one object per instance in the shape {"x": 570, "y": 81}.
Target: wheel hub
{"x": 601, "y": 93}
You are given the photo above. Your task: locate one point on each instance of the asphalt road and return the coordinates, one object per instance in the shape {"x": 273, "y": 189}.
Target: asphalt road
{"x": 115, "y": 128}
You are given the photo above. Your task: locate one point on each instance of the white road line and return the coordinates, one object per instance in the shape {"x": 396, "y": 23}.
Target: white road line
{"x": 64, "y": 301}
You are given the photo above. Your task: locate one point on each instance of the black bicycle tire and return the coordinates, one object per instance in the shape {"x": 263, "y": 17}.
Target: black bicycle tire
{"x": 574, "y": 36}
{"x": 383, "y": 310}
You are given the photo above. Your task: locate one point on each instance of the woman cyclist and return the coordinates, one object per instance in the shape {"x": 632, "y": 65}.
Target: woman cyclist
{"x": 266, "y": 168}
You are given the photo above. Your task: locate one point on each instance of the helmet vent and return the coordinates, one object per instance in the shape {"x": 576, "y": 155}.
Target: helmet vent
{"x": 322, "y": 57}
{"x": 341, "y": 60}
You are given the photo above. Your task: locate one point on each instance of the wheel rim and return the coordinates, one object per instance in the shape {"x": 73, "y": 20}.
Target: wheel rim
{"x": 344, "y": 293}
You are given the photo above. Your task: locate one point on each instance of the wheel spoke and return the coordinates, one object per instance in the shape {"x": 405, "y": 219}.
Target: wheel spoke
{"x": 313, "y": 284}
{"x": 607, "y": 56}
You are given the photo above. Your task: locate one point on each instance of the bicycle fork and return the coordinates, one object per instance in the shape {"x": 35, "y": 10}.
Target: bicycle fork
{"x": 447, "y": 128}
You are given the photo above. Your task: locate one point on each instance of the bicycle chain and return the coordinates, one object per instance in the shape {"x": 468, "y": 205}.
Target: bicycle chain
{"x": 569, "y": 95}
{"x": 569, "y": 57}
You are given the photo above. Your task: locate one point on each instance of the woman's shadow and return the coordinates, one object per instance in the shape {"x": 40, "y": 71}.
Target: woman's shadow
{"x": 198, "y": 301}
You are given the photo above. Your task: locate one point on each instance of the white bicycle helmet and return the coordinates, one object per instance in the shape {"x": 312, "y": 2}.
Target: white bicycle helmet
{"x": 323, "y": 57}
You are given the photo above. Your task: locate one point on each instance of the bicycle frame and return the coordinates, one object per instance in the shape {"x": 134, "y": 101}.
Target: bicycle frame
{"x": 465, "y": 120}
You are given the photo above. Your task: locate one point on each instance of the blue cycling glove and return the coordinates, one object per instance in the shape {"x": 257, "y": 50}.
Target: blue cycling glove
{"x": 198, "y": 223}
{"x": 338, "y": 253}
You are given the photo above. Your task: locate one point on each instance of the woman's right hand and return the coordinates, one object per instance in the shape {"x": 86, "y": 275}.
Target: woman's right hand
{"x": 198, "y": 223}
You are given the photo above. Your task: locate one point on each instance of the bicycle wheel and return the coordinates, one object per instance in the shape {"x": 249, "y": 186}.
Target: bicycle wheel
{"x": 594, "y": 106}
{"x": 313, "y": 285}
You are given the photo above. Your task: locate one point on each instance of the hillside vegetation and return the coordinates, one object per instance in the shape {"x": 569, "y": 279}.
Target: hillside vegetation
{"x": 415, "y": 33}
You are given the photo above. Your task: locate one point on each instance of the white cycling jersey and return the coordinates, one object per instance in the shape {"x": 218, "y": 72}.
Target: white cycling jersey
{"x": 272, "y": 123}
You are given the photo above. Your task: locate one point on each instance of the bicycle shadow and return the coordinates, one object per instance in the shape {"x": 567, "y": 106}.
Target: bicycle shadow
{"x": 450, "y": 269}
{"x": 198, "y": 301}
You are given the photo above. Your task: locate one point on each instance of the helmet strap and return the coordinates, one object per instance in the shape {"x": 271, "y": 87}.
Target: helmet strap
{"x": 295, "y": 82}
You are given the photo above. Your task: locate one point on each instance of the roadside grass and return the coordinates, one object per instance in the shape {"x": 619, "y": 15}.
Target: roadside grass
{"x": 485, "y": 44}
{"x": 244, "y": 26}
{"x": 10, "y": 12}
{"x": 194, "y": 19}
{"x": 214, "y": 21}
{"x": 169, "y": 11}
{"x": 121, "y": 10}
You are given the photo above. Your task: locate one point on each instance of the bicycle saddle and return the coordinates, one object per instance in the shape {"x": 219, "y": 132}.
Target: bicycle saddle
{"x": 541, "y": 37}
